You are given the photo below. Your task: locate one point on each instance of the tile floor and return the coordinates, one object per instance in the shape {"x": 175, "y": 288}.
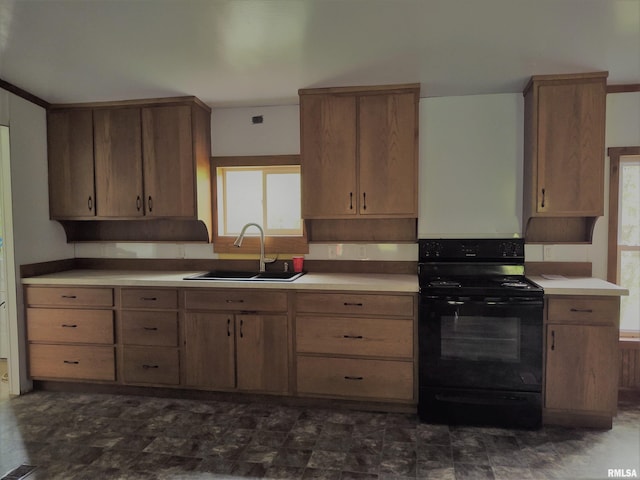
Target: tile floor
{"x": 95, "y": 436}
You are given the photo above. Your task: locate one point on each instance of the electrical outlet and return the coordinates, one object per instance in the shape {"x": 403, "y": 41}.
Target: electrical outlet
{"x": 332, "y": 252}
{"x": 547, "y": 253}
{"x": 362, "y": 252}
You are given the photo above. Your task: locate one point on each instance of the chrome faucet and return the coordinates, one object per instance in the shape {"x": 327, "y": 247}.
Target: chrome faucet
{"x": 238, "y": 242}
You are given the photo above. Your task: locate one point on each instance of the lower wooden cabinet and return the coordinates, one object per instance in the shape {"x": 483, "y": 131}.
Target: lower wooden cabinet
{"x": 70, "y": 333}
{"x": 358, "y": 378}
{"x": 72, "y": 362}
{"x": 228, "y": 349}
{"x": 154, "y": 365}
{"x": 581, "y": 372}
{"x": 356, "y": 346}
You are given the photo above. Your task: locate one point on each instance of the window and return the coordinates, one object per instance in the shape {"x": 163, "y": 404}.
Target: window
{"x": 262, "y": 190}
{"x": 624, "y": 235}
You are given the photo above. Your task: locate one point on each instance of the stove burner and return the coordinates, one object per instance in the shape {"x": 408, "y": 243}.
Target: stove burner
{"x": 444, "y": 283}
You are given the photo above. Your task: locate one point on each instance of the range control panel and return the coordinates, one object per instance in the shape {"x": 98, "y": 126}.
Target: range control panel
{"x": 485, "y": 249}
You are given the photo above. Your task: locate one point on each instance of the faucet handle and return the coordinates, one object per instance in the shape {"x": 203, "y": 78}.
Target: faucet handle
{"x": 286, "y": 266}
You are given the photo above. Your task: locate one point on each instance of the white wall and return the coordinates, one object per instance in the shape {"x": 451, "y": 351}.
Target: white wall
{"x": 471, "y": 166}
{"x": 232, "y": 132}
{"x": 36, "y": 238}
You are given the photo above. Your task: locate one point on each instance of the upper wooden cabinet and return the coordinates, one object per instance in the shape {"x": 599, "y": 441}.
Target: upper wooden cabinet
{"x": 564, "y": 156}
{"x": 359, "y": 151}
{"x": 71, "y": 169}
{"x": 131, "y": 159}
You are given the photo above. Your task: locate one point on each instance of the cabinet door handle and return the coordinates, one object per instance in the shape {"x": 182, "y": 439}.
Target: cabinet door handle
{"x": 69, "y": 296}
{"x": 542, "y": 203}
{"x": 353, "y": 336}
{"x": 147, "y": 367}
{"x": 582, "y": 310}
{"x": 138, "y": 203}
{"x": 553, "y": 339}
{"x": 71, "y": 362}
{"x": 64, "y": 325}
{"x": 150, "y": 329}
{"x": 352, "y": 304}
{"x": 364, "y": 201}
{"x": 149, "y": 299}
{"x": 150, "y": 203}
{"x": 90, "y": 203}
{"x": 234, "y": 301}
{"x": 350, "y": 200}
{"x": 241, "y": 332}
{"x": 228, "y": 327}
{"x": 347, "y": 377}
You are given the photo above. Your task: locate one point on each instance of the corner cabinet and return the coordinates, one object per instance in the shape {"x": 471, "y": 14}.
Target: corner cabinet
{"x": 564, "y": 155}
{"x": 130, "y": 160}
{"x": 582, "y": 358}
{"x": 359, "y": 152}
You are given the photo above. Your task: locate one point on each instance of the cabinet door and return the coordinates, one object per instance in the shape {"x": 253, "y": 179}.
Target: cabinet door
{"x": 262, "y": 355}
{"x": 328, "y": 160}
{"x": 571, "y": 149}
{"x": 118, "y": 161}
{"x": 209, "y": 350}
{"x": 169, "y": 171}
{"x": 70, "y": 153}
{"x": 388, "y": 162}
{"x": 582, "y": 365}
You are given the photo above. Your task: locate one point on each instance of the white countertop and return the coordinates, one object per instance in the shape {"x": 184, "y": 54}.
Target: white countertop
{"x": 375, "y": 282}
{"x": 578, "y": 286}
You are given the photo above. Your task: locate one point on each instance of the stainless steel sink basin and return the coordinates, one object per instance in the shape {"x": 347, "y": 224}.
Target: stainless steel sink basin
{"x": 226, "y": 275}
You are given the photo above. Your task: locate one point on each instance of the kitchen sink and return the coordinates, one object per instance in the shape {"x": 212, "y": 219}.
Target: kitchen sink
{"x": 222, "y": 275}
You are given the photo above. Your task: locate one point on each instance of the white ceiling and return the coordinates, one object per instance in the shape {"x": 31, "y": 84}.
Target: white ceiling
{"x": 260, "y": 52}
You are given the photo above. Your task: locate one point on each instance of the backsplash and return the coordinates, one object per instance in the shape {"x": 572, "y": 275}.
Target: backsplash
{"x": 317, "y": 251}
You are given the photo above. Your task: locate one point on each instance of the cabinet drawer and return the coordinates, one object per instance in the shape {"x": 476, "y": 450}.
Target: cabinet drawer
{"x": 355, "y": 336}
{"x": 236, "y": 300}
{"x": 355, "y": 304}
{"x": 69, "y": 325}
{"x": 149, "y": 298}
{"x": 68, "y": 296}
{"x": 345, "y": 377}
{"x": 584, "y": 310}
{"x": 150, "y": 328}
{"x": 151, "y": 365}
{"x": 72, "y": 361}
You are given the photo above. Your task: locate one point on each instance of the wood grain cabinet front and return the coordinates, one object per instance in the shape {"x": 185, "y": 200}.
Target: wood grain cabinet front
{"x": 237, "y": 340}
{"x": 150, "y": 336}
{"x": 359, "y": 152}
{"x": 355, "y": 345}
{"x": 564, "y": 153}
{"x": 70, "y": 333}
{"x": 582, "y": 361}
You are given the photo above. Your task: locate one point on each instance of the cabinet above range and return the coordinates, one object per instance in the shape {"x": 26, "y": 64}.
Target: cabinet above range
{"x": 130, "y": 160}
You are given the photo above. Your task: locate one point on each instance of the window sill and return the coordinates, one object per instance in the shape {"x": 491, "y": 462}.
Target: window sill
{"x": 272, "y": 245}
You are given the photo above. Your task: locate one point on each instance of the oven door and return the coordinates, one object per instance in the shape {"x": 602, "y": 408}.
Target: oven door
{"x": 480, "y": 342}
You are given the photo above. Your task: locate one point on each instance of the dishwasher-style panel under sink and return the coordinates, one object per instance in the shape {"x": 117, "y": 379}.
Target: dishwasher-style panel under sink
{"x": 225, "y": 275}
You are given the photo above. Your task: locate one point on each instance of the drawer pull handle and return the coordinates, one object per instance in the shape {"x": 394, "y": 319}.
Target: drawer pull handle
{"x": 71, "y": 362}
{"x": 147, "y": 367}
{"x": 69, "y": 296}
{"x": 150, "y": 329}
{"x": 347, "y": 377}
{"x": 582, "y": 310}
{"x": 352, "y": 304}
{"x": 149, "y": 299}
{"x": 353, "y": 336}
{"x": 234, "y": 301}
{"x": 553, "y": 339}
{"x": 241, "y": 325}
{"x": 64, "y": 325}
{"x": 228, "y": 327}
